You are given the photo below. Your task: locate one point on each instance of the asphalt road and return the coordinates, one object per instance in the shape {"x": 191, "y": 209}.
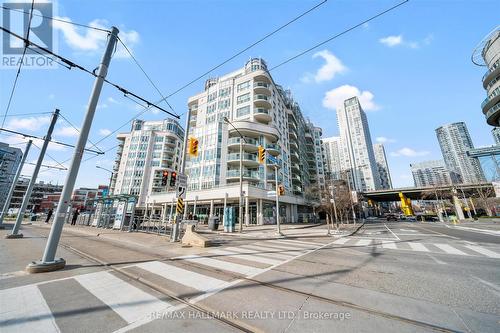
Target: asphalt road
{"x": 388, "y": 277}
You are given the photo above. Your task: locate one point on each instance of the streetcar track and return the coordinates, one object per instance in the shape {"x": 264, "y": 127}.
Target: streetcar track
{"x": 242, "y": 326}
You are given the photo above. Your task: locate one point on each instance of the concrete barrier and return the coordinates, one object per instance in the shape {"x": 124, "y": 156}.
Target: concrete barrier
{"x": 191, "y": 237}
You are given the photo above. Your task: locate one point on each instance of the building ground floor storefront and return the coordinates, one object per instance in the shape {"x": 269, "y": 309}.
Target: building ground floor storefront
{"x": 258, "y": 208}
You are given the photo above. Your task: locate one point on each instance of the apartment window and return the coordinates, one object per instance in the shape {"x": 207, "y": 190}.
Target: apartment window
{"x": 211, "y": 108}
{"x": 224, "y": 104}
{"x": 243, "y": 86}
{"x": 225, "y": 92}
{"x": 240, "y": 112}
{"x": 212, "y": 96}
{"x": 243, "y": 98}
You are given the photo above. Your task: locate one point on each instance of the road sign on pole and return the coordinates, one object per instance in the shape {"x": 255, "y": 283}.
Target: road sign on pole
{"x": 181, "y": 186}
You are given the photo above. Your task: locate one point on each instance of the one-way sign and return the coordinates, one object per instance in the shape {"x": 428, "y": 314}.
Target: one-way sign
{"x": 181, "y": 186}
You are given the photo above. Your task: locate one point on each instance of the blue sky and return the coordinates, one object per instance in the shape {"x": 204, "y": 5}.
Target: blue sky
{"x": 411, "y": 68}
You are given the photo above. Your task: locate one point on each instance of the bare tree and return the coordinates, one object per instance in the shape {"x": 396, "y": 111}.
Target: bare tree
{"x": 484, "y": 197}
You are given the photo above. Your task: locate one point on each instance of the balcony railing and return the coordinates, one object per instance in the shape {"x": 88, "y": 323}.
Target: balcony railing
{"x": 251, "y": 141}
{"x": 261, "y": 110}
{"x": 246, "y": 173}
{"x": 491, "y": 69}
{"x": 493, "y": 94}
{"x": 261, "y": 97}
{"x": 260, "y": 84}
{"x": 246, "y": 157}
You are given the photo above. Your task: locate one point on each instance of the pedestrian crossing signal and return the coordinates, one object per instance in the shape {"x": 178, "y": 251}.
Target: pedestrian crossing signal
{"x": 262, "y": 155}
{"x": 193, "y": 146}
{"x": 281, "y": 190}
{"x": 164, "y": 178}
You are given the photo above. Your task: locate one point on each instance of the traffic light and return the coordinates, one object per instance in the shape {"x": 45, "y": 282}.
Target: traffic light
{"x": 193, "y": 147}
{"x": 281, "y": 190}
{"x": 173, "y": 178}
{"x": 164, "y": 178}
{"x": 262, "y": 155}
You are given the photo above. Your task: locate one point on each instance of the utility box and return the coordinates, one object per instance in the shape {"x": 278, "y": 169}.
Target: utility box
{"x": 213, "y": 223}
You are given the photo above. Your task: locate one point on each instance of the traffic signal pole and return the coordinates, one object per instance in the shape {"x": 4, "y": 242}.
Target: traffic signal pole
{"x": 278, "y": 230}
{"x": 49, "y": 262}
{"x": 14, "y": 183}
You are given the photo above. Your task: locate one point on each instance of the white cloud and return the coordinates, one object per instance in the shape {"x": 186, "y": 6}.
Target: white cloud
{"x": 408, "y": 152}
{"x": 391, "y": 40}
{"x": 111, "y": 100}
{"x": 104, "y": 131}
{"x": 67, "y": 131}
{"x": 28, "y": 124}
{"x": 336, "y": 97}
{"x": 93, "y": 40}
{"x": 332, "y": 67}
{"x": 383, "y": 139}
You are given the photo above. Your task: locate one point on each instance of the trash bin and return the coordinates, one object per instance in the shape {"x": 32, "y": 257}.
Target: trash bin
{"x": 213, "y": 223}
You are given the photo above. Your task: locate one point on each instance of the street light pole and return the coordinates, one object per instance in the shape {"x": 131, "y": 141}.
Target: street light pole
{"x": 110, "y": 178}
{"x": 242, "y": 140}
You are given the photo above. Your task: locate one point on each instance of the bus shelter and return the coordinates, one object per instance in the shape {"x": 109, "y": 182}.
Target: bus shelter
{"x": 115, "y": 211}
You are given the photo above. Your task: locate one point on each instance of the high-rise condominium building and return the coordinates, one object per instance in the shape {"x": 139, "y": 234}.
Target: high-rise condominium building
{"x": 357, "y": 158}
{"x": 10, "y": 158}
{"x": 265, "y": 115}
{"x": 382, "y": 166}
{"x": 496, "y": 135}
{"x": 333, "y": 148}
{"x": 488, "y": 54}
{"x": 455, "y": 141}
{"x": 143, "y": 154}
{"x": 430, "y": 173}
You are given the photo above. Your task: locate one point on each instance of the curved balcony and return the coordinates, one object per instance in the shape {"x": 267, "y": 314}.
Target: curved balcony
{"x": 297, "y": 188}
{"x": 491, "y": 100}
{"x": 262, "y": 101}
{"x": 492, "y": 73}
{"x": 273, "y": 149}
{"x": 171, "y": 143}
{"x": 249, "y": 144}
{"x": 295, "y": 166}
{"x": 493, "y": 115}
{"x": 292, "y": 134}
{"x": 247, "y": 175}
{"x": 295, "y": 157}
{"x": 250, "y": 128}
{"x": 248, "y": 159}
{"x": 262, "y": 114}
{"x": 192, "y": 120}
{"x": 261, "y": 87}
{"x": 293, "y": 144}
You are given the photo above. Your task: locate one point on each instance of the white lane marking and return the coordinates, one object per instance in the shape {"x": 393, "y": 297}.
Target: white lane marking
{"x": 127, "y": 301}
{"x": 483, "y": 251}
{"x": 223, "y": 265}
{"x": 342, "y": 240}
{"x": 291, "y": 245}
{"x": 437, "y": 260}
{"x": 182, "y": 276}
{"x": 249, "y": 257}
{"x": 495, "y": 288}
{"x": 363, "y": 242}
{"x": 481, "y": 231}
{"x": 23, "y": 309}
{"x": 385, "y": 225}
{"x": 409, "y": 230}
{"x": 418, "y": 247}
{"x": 263, "y": 251}
{"x": 450, "y": 249}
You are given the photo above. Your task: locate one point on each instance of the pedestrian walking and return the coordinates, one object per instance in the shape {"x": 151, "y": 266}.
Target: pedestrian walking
{"x": 75, "y": 216}
{"x": 49, "y": 215}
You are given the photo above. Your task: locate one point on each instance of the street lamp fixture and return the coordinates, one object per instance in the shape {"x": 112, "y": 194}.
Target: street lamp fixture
{"x": 242, "y": 139}
{"x": 110, "y": 178}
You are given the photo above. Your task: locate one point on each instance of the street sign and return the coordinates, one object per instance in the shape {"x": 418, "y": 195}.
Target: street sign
{"x": 181, "y": 186}
{"x": 180, "y": 206}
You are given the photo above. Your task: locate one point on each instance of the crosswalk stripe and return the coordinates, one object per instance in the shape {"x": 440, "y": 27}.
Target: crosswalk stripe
{"x": 293, "y": 245}
{"x": 363, "y": 242}
{"x": 24, "y": 309}
{"x": 342, "y": 240}
{"x": 483, "y": 251}
{"x": 223, "y": 265}
{"x": 182, "y": 276}
{"x": 300, "y": 242}
{"x": 127, "y": 301}
{"x": 249, "y": 257}
{"x": 418, "y": 247}
{"x": 265, "y": 251}
{"x": 389, "y": 245}
{"x": 284, "y": 247}
{"x": 450, "y": 249}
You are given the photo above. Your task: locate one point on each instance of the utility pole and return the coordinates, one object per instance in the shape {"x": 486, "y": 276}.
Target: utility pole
{"x": 13, "y": 186}
{"x": 26, "y": 199}
{"x": 48, "y": 262}
{"x": 174, "y": 237}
